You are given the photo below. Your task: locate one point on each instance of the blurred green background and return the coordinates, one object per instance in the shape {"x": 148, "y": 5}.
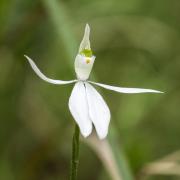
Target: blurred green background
{"x": 136, "y": 43}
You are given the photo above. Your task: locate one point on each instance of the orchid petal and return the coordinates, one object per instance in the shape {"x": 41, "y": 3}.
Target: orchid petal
{"x": 85, "y": 43}
{"x": 98, "y": 111}
{"x": 42, "y": 76}
{"x": 79, "y": 108}
{"x": 82, "y": 68}
{"x": 126, "y": 90}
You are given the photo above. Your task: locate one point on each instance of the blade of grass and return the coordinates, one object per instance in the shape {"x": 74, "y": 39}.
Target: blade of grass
{"x": 120, "y": 157}
{"x": 61, "y": 23}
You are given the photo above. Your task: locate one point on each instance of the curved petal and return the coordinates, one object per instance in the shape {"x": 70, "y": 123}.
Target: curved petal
{"x": 85, "y": 43}
{"x": 98, "y": 111}
{"x": 42, "y": 76}
{"x": 126, "y": 90}
{"x": 79, "y": 108}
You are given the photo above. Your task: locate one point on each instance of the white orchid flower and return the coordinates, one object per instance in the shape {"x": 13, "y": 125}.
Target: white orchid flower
{"x": 86, "y": 105}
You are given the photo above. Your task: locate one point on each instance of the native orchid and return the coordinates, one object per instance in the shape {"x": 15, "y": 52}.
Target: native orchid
{"x": 86, "y": 105}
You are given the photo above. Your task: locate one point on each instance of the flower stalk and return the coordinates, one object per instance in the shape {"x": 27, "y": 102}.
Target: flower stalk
{"x": 75, "y": 154}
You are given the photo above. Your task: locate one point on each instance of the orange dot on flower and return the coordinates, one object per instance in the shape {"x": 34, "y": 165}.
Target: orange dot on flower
{"x": 87, "y": 61}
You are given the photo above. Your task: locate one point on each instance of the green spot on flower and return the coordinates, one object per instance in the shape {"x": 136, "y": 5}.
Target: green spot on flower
{"x": 86, "y": 52}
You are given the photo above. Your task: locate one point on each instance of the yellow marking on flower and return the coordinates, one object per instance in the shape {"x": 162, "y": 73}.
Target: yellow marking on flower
{"x": 88, "y": 61}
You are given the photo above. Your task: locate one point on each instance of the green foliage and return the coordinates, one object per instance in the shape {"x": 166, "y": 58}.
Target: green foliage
{"x": 136, "y": 43}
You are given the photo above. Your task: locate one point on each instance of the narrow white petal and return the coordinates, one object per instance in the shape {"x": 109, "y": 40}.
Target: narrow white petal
{"x": 85, "y": 43}
{"x": 98, "y": 111}
{"x": 79, "y": 108}
{"x": 42, "y": 76}
{"x": 126, "y": 90}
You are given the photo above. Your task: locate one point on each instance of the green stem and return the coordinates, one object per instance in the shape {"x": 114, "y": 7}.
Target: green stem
{"x": 75, "y": 154}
